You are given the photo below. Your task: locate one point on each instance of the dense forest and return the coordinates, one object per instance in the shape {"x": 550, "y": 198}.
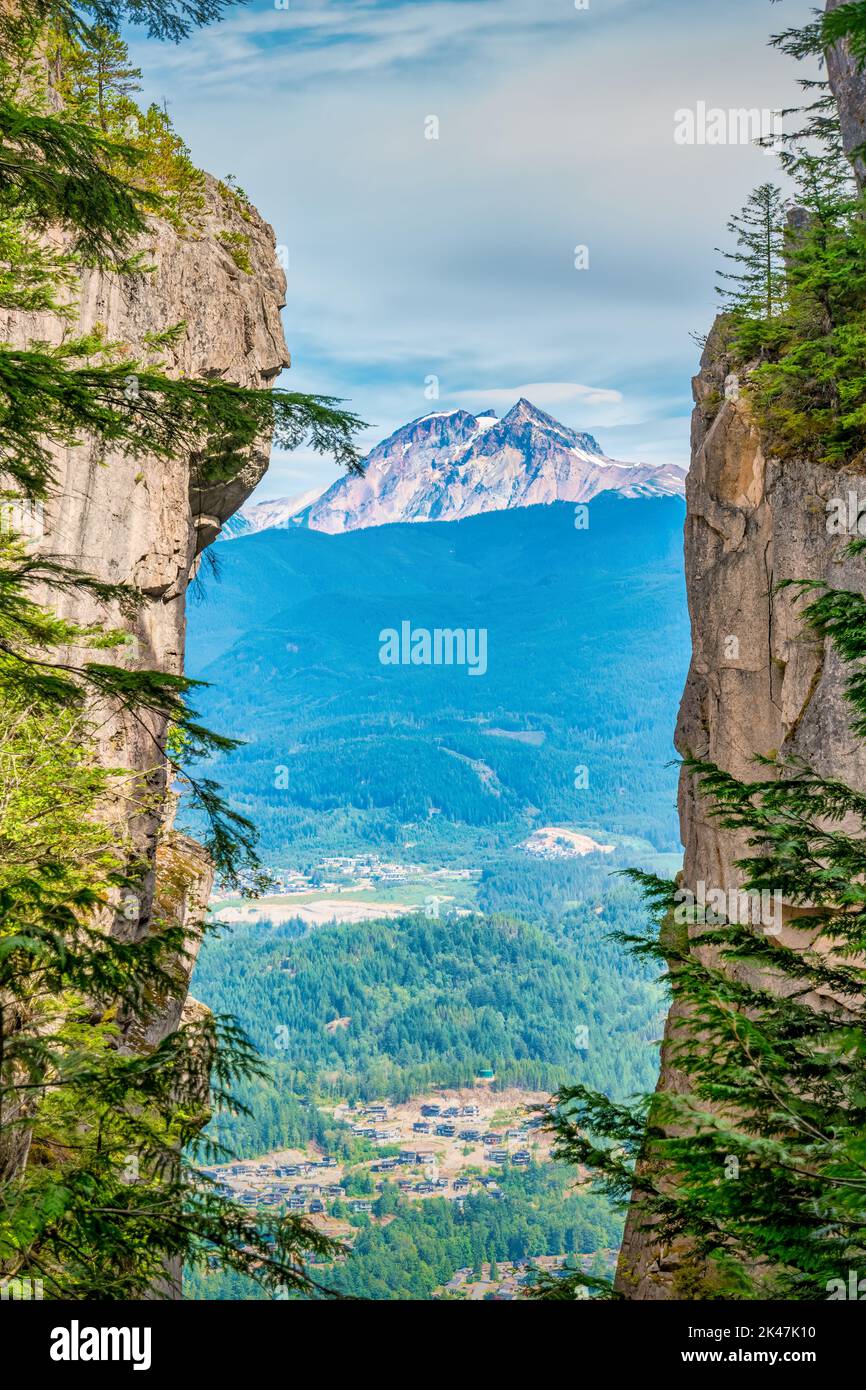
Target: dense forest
{"x": 430, "y": 1004}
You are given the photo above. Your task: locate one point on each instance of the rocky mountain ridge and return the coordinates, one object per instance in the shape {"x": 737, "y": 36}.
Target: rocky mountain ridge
{"x": 452, "y": 464}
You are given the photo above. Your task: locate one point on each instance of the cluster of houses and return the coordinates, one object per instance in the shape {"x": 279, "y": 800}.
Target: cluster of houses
{"x": 440, "y": 1121}
{"x": 303, "y": 1168}
{"x": 268, "y": 1186}
{"x": 370, "y": 866}
{"x": 521, "y": 1158}
{"x": 385, "y": 870}
{"x": 376, "y": 1135}
{"x": 265, "y": 1184}
{"x": 362, "y": 871}
{"x": 440, "y": 1187}
{"x": 443, "y": 1121}
{"x": 448, "y": 1111}
{"x": 444, "y": 1118}
{"x": 378, "y": 1114}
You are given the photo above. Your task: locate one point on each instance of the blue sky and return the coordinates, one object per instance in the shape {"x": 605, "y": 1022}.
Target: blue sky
{"x": 411, "y": 258}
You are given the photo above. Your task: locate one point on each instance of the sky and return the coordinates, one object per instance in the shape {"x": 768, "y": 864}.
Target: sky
{"x": 412, "y": 258}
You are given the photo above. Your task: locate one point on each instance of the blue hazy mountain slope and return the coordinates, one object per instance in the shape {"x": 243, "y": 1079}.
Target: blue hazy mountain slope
{"x": 586, "y": 650}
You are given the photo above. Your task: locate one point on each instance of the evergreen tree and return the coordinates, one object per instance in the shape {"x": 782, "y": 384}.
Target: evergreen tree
{"x": 845, "y": 23}
{"x": 163, "y": 19}
{"x": 803, "y": 374}
{"x": 99, "y": 77}
{"x": 756, "y": 287}
{"x": 756, "y": 1163}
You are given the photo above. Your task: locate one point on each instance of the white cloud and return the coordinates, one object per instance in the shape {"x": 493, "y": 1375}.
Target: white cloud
{"x": 315, "y": 39}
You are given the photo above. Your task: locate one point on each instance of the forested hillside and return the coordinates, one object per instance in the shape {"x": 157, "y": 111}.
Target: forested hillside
{"x": 587, "y": 640}
{"x": 432, "y": 1003}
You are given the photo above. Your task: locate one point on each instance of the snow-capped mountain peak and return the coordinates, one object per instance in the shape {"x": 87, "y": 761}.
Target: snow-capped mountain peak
{"x": 451, "y": 464}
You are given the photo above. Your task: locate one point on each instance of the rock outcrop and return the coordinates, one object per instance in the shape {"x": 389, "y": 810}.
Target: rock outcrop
{"x": 143, "y": 522}
{"x": 759, "y": 681}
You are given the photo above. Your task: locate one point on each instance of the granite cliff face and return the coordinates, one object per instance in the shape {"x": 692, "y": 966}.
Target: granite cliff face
{"x": 144, "y": 522}
{"x": 759, "y": 682}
